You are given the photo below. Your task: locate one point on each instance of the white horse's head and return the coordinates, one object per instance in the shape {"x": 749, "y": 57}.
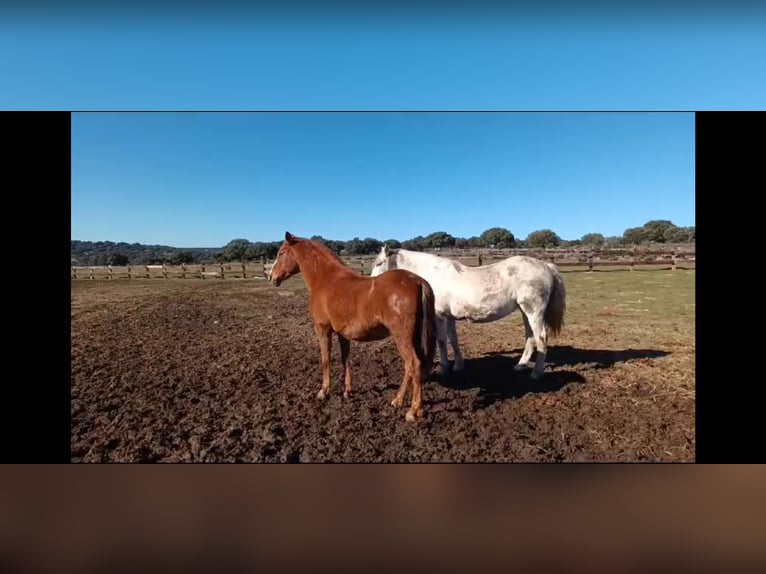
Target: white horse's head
{"x": 385, "y": 260}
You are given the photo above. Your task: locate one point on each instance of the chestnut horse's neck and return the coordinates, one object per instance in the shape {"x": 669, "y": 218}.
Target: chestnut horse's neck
{"x": 316, "y": 263}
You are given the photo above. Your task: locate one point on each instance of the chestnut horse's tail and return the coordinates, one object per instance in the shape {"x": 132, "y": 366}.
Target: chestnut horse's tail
{"x": 425, "y": 329}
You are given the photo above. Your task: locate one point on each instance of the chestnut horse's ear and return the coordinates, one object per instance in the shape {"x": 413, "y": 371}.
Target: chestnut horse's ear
{"x": 289, "y": 237}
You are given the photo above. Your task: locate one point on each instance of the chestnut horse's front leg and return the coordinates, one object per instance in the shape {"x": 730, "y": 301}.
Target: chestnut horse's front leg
{"x": 324, "y": 335}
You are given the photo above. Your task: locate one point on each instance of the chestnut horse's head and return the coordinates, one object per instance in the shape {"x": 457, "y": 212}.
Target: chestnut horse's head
{"x": 286, "y": 264}
{"x": 385, "y": 260}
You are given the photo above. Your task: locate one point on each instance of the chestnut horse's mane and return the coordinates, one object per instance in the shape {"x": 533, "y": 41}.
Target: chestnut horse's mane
{"x": 319, "y": 250}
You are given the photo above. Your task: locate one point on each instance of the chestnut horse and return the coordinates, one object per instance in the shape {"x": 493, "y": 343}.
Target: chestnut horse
{"x": 397, "y": 303}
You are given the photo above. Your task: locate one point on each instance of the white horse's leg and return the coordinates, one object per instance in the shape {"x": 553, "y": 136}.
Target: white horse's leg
{"x": 541, "y": 342}
{"x": 452, "y": 335}
{"x": 529, "y": 345}
{"x": 441, "y": 343}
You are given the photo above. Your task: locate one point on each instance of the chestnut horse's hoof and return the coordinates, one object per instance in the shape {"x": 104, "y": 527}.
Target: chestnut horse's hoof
{"x": 347, "y": 395}
{"x": 397, "y": 402}
{"x": 321, "y": 395}
{"x": 411, "y": 417}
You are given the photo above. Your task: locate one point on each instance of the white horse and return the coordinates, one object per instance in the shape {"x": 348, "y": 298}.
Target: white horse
{"x": 487, "y": 293}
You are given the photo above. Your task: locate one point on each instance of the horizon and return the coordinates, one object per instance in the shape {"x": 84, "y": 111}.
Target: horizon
{"x": 204, "y": 179}
{"x": 193, "y": 247}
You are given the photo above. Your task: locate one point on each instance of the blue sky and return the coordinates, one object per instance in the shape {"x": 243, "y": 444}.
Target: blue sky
{"x": 201, "y": 179}
{"x": 653, "y": 59}
{"x": 128, "y": 173}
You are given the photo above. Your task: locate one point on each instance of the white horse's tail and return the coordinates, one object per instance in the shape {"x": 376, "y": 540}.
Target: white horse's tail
{"x": 557, "y": 302}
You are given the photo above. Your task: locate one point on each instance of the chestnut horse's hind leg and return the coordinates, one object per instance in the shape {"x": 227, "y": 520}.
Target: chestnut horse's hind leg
{"x": 345, "y": 350}
{"x": 413, "y": 374}
{"x": 324, "y": 335}
{"x": 415, "y": 406}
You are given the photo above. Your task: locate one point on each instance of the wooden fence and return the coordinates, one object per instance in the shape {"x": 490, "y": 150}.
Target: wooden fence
{"x": 567, "y": 260}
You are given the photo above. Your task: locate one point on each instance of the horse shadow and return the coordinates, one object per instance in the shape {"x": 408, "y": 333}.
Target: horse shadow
{"x": 494, "y": 376}
{"x": 496, "y": 380}
{"x": 568, "y": 356}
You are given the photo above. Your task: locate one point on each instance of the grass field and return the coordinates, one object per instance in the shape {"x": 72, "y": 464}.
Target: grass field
{"x": 228, "y": 370}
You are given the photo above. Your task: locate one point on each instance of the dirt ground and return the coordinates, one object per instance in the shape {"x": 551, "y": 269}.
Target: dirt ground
{"x": 228, "y": 370}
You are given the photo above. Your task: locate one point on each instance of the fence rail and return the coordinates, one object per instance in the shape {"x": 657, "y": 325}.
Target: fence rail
{"x": 568, "y": 260}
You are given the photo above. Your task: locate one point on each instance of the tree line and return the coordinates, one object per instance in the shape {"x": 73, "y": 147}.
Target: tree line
{"x": 119, "y": 254}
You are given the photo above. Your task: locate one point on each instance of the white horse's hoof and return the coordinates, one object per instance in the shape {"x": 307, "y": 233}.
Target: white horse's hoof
{"x": 520, "y": 366}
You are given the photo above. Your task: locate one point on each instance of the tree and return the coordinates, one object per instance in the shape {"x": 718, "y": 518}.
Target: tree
{"x": 370, "y": 246}
{"x": 634, "y": 236}
{"x": 392, "y": 243}
{"x": 462, "y": 242}
{"x": 178, "y": 257}
{"x": 593, "y": 239}
{"x": 543, "y": 238}
{"x": 118, "y": 260}
{"x": 497, "y": 236}
{"x": 354, "y": 247}
{"x": 235, "y": 250}
{"x": 414, "y": 244}
{"x": 335, "y": 246}
{"x": 254, "y": 251}
{"x": 659, "y": 230}
{"x": 680, "y": 235}
{"x": 439, "y": 239}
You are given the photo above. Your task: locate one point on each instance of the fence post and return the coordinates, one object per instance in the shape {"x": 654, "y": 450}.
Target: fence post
{"x": 244, "y": 274}
{"x": 222, "y": 275}
{"x": 361, "y": 266}
{"x": 164, "y": 271}
{"x": 479, "y": 259}
{"x": 129, "y": 272}
{"x": 202, "y": 273}
{"x": 675, "y": 259}
{"x": 74, "y": 272}
{"x": 590, "y": 261}
{"x": 146, "y": 269}
{"x": 111, "y": 276}
{"x": 632, "y": 258}
{"x": 183, "y": 270}
{"x": 91, "y": 273}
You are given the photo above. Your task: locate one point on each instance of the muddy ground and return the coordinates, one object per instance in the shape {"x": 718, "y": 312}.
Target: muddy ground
{"x": 228, "y": 370}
